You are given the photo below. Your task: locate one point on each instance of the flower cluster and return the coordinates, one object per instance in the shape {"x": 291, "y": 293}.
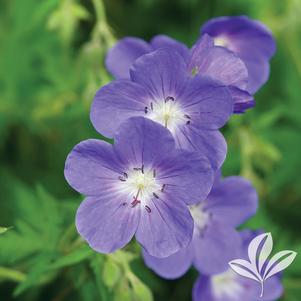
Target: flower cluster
{"x": 160, "y": 181}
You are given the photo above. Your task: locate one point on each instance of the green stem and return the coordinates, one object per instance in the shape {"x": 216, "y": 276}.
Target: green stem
{"x": 102, "y": 29}
{"x": 10, "y": 274}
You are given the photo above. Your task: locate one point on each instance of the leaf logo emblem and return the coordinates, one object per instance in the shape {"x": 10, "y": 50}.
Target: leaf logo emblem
{"x": 259, "y": 268}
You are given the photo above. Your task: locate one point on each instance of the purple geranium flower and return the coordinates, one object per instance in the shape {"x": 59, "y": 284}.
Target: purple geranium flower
{"x": 160, "y": 89}
{"x": 139, "y": 186}
{"x": 229, "y": 286}
{"x": 215, "y": 241}
{"x": 122, "y": 56}
{"x": 250, "y": 39}
{"x": 204, "y": 58}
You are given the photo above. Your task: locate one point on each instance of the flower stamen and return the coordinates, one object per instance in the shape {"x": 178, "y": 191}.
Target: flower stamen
{"x": 155, "y": 195}
{"x": 135, "y": 203}
{"x": 148, "y": 209}
{"x": 167, "y": 112}
{"x": 121, "y": 178}
{"x": 169, "y": 98}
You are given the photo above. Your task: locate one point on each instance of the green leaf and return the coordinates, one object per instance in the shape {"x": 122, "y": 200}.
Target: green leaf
{"x": 97, "y": 264}
{"x": 111, "y": 273}
{"x": 66, "y": 18}
{"x": 140, "y": 290}
{"x": 73, "y": 258}
{"x": 11, "y": 274}
{"x": 123, "y": 291}
{"x": 4, "y": 229}
{"x": 88, "y": 291}
{"x": 38, "y": 225}
{"x": 39, "y": 273}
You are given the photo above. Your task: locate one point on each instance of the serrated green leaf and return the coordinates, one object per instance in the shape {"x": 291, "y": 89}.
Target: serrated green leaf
{"x": 39, "y": 273}
{"x": 73, "y": 258}
{"x": 38, "y": 225}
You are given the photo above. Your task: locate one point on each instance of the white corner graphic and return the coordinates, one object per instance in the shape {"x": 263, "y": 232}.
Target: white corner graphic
{"x": 259, "y": 267}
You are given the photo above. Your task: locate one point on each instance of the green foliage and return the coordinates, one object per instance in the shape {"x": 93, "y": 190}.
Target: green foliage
{"x": 3, "y": 229}
{"x": 51, "y": 64}
{"x": 111, "y": 273}
{"x": 66, "y": 19}
{"x": 140, "y": 290}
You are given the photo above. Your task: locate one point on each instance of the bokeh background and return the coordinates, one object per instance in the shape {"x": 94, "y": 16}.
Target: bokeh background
{"x": 51, "y": 64}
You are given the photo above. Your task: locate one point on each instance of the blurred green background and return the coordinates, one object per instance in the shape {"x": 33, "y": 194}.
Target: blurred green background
{"x": 51, "y": 64}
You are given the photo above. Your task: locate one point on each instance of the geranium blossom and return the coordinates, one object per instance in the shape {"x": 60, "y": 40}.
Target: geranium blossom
{"x": 204, "y": 58}
{"x": 229, "y": 286}
{"x": 250, "y": 39}
{"x": 215, "y": 241}
{"x": 160, "y": 89}
{"x": 139, "y": 186}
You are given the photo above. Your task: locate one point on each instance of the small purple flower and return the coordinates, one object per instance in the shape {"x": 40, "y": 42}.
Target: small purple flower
{"x": 250, "y": 39}
{"x": 122, "y": 56}
{"x": 215, "y": 241}
{"x": 229, "y": 286}
{"x": 140, "y": 186}
{"x": 204, "y": 58}
{"x": 223, "y": 65}
{"x": 160, "y": 89}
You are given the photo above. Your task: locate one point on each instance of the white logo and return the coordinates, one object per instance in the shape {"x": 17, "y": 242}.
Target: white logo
{"x": 259, "y": 268}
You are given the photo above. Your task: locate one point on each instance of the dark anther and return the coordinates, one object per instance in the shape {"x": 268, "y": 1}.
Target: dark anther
{"x": 139, "y": 168}
{"x": 135, "y": 203}
{"x": 151, "y": 105}
{"x": 188, "y": 122}
{"x": 124, "y": 203}
{"x": 122, "y": 179}
{"x": 145, "y": 110}
{"x": 187, "y": 116}
{"x": 125, "y": 175}
{"x": 168, "y": 98}
{"x": 155, "y": 195}
{"x": 154, "y": 173}
{"x": 163, "y": 187}
{"x": 148, "y": 209}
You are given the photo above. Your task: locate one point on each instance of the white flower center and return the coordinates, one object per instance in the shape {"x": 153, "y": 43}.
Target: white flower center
{"x": 168, "y": 113}
{"x": 221, "y": 41}
{"x": 226, "y": 285}
{"x": 140, "y": 185}
{"x": 199, "y": 216}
